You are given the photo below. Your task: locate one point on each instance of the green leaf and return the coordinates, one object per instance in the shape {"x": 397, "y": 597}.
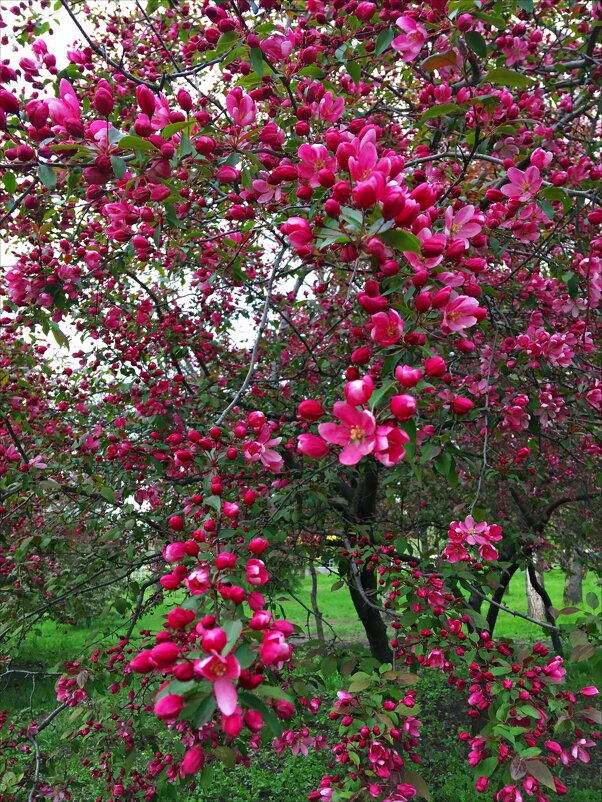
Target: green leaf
{"x": 225, "y": 40}
{"x": 592, "y": 600}
{"x": 409, "y": 428}
{"x": 60, "y": 337}
{"x": 107, "y": 493}
{"x": 273, "y": 692}
{"x": 401, "y": 240}
{"x": 232, "y": 629}
{"x": 47, "y": 176}
{"x": 505, "y": 77}
{"x": 383, "y": 40}
{"x": 119, "y": 166}
{"x": 440, "y": 111}
{"x": 526, "y": 5}
{"x": 257, "y": 61}
{"x": 10, "y": 183}
{"x": 173, "y": 128}
{"x": 132, "y": 142}
{"x": 476, "y": 43}
{"x": 354, "y": 70}
{"x": 442, "y": 464}
{"x": 438, "y": 60}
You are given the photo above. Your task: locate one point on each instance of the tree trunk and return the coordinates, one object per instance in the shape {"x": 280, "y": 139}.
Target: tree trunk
{"x": 573, "y": 583}
{"x": 535, "y": 606}
{"x": 493, "y": 612}
{"x": 376, "y": 630}
{"x": 363, "y": 511}
{"x": 314, "y": 601}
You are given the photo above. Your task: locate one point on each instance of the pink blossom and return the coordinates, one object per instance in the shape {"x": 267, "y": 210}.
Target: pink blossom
{"x": 329, "y": 109}
{"x": 515, "y": 50}
{"x": 298, "y": 231}
{"x": 278, "y": 47}
{"x": 356, "y": 432}
{"x": 197, "y": 581}
{"x": 359, "y": 391}
{"x": 169, "y": 706}
{"x": 221, "y": 670}
{"x": 461, "y": 313}
{"x": 66, "y": 108}
{"x": 256, "y": 572}
{"x": 275, "y": 651}
{"x": 461, "y": 224}
{"x": 262, "y": 449}
{"x": 241, "y": 107}
{"x": 411, "y": 41}
{"x": 524, "y": 184}
{"x": 311, "y": 446}
{"x": 313, "y": 159}
{"x": 579, "y": 750}
{"x": 389, "y": 448}
{"x": 386, "y": 327}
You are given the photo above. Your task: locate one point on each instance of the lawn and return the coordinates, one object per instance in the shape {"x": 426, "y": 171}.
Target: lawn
{"x": 285, "y": 778}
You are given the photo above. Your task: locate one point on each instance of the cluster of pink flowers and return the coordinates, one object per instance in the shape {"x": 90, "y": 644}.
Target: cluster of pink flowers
{"x": 475, "y": 534}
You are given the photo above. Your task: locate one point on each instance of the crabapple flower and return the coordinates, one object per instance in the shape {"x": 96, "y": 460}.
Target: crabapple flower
{"x": 314, "y": 158}
{"x": 386, "y": 327}
{"x": 278, "y": 47}
{"x": 256, "y": 572}
{"x": 193, "y": 761}
{"x": 476, "y": 534}
{"x": 169, "y": 706}
{"x": 298, "y": 232}
{"x": 389, "y": 448}
{"x": 524, "y": 184}
{"x": 359, "y": 391}
{"x": 311, "y": 446}
{"x": 310, "y": 410}
{"x": 461, "y": 313}
{"x": 356, "y": 432}
{"x": 275, "y": 651}
{"x": 262, "y": 450}
{"x": 411, "y": 41}
{"x": 461, "y": 224}
{"x": 241, "y": 107}
{"x": 221, "y": 670}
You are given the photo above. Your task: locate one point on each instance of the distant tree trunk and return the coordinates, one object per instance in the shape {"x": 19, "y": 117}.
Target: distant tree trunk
{"x": 573, "y": 583}
{"x": 314, "y": 601}
{"x": 535, "y": 607}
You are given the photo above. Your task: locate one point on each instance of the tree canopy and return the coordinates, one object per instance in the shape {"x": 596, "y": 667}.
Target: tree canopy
{"x": 294, "y": 281}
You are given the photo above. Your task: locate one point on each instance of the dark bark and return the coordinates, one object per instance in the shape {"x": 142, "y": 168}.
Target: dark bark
{"x": 497, "y": 597}
{"x": 363, "y": 511}
{"x": 376, "y": 630}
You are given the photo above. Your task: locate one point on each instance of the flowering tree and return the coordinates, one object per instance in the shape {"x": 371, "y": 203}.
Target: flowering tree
{"x": 328, "y": 277}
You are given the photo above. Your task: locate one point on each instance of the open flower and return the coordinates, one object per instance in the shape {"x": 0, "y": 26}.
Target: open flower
{"x": 386, "y": 327}
{"x": 390, "y": 441}
{"x": 356, "y": 432}
{"x": 221, "y": 670}
{"x": 410, "y": 42}
{"x": 524, "y": 184}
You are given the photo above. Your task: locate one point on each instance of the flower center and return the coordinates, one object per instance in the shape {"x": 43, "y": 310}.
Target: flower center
{"x": 356, "y": 434}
